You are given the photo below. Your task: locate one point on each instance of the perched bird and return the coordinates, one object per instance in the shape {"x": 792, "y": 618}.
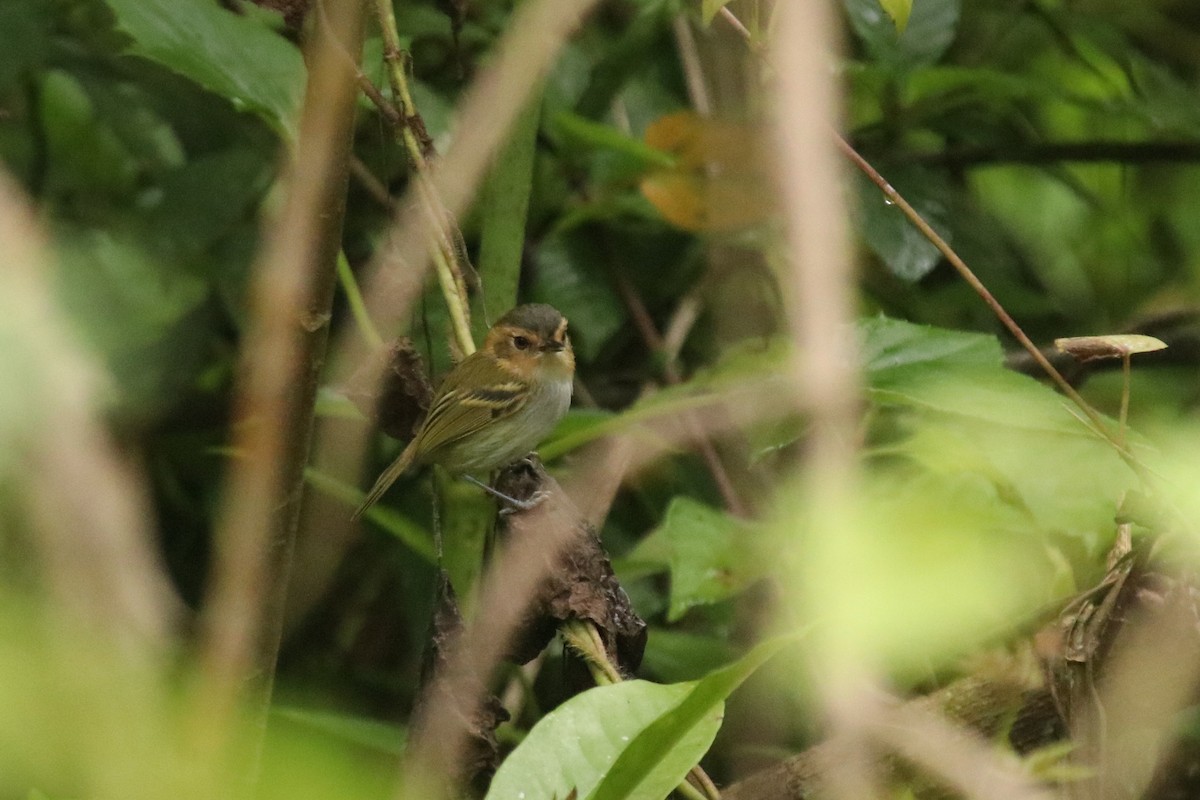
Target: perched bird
{"x": 497, "y": 404}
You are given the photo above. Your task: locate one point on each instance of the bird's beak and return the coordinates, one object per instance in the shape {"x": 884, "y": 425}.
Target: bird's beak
{"x": 553, "y": 346}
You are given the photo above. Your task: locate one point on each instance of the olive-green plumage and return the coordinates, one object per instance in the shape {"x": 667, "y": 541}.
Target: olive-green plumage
{"x": 498, "y": 403}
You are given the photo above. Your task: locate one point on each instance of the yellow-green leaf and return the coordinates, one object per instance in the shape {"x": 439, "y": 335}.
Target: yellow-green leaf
{"x": 898, "y": 10}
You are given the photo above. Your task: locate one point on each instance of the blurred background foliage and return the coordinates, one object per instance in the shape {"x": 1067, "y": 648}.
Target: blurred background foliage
{"x": 1053, "y": 143}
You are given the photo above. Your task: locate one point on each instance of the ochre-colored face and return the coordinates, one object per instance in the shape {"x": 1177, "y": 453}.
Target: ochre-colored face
{"x": 539, "y": 350}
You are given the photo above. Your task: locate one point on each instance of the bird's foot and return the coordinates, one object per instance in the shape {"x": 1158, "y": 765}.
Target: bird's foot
{"x": 512, "y": 504}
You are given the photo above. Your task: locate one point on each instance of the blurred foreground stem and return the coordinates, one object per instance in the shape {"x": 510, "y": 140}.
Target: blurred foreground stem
{"x": 282, "y": 354}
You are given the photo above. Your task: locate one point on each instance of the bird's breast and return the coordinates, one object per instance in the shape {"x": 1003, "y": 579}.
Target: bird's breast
{"x": 507, "y": 439}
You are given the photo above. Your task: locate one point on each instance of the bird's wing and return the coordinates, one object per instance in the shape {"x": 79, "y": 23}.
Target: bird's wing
{"x": 476, "y": 393}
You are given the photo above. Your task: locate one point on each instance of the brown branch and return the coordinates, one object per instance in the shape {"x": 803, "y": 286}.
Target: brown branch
{"x": 282, "y": 354}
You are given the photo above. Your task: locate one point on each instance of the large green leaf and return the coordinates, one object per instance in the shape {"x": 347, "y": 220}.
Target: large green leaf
{"x": 630, "y": 740}
{"x": 640, "y": 771}
{"x": 962, "y": 413}
{"x": 236, "y": 57}
{"x": 575, "y": 746}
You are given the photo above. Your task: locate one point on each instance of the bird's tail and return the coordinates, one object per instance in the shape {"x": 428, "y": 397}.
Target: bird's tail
{"x": 389, "y": 476}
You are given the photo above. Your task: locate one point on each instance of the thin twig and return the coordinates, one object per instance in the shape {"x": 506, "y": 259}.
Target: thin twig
{"x": 373, "y": 186}
{"x": 689, "y": 57}
{"x": 980, "y": 289}
{"x": 446, "y": 255}
{"x": 670, "y": 370}
{"x": 737, "y": 25}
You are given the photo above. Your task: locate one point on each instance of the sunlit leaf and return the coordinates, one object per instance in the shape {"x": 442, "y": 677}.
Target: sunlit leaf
{"x": 641, "y": 769}
{"x": 898, "y": 10}
{"x": 574, "y": 746}
{"x": 919, "y": 570}
{"x": 963, "y": 414}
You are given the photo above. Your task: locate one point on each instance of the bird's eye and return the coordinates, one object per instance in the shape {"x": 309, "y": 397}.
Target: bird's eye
{"x": 521, "y": 343}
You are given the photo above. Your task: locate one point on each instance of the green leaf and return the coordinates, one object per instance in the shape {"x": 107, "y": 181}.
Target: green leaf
{"x": 903, "y": 248}
{"x": 145, "y": 316}
{"x": 236, "y": 57}
{"x": 505, "y": 209}
{"x": 965, "y": 415}
{"x": 708, "y": 553}
{"x": 573, "y": 747}
{"x": 678, "y": 655}
{"x": 85, "y": 153}
{"x": 899, "y": 11}
{"x": 641, "y": 769}
{"x": 587, "y": 134}
{"x": 920, "y": 569}
{"x": 929, "y": 31}
{"x": 572, "y": 276}
{"x": 895, "y": 351}
{"x": 630, "y": 740}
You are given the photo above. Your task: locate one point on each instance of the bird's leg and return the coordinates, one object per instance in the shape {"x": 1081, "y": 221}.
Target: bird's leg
{"x": 513, "y": 503}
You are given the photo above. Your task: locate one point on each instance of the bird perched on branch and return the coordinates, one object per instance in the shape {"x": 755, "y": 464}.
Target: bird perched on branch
{"x": 497, "y": 404}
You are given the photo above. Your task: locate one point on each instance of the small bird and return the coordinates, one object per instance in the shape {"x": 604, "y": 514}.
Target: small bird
{"x": 497, "y": 404}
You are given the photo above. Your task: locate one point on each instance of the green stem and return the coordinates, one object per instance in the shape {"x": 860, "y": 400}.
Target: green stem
{"x": 1125, "y": 389}
{"x": 358, "y": 309}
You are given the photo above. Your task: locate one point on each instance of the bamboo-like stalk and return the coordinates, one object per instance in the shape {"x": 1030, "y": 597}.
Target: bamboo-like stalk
{"x": 290, "y": 298}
